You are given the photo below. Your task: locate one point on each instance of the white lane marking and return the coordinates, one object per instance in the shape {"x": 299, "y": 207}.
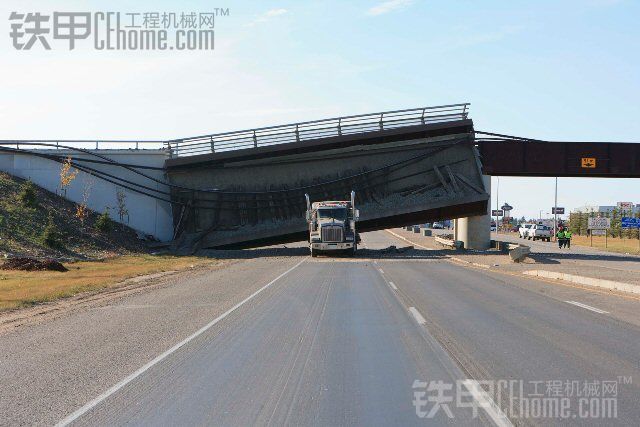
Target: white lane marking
{"x": 381, "y": 271}
{"x": 485, "y": 401}
{"x": 393, "y": 286}
{"x": 417, "y": 316}
{"x": 93, "y": 403}
{"x": 588, "y": 307}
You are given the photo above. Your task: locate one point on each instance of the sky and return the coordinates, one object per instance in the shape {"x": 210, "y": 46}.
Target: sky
{"x": 551, "y": 70}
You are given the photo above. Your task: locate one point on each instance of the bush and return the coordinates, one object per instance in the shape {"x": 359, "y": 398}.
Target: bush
{"x": 28, "y": 195}
{"x": 51, "y": 236}
{"x": 104, "y": 222}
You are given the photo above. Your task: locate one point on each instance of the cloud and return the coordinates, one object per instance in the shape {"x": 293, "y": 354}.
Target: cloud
{"x": 464, "y": 39}
{"x": 267, "y": 16}
{"x": 388, "y": 6}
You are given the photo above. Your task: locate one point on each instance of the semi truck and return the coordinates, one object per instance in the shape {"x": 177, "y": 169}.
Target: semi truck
{"x": 332, "y": 226}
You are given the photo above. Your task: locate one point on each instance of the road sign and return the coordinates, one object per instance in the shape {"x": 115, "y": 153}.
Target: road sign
{"x": 599, "y": 223}
{"x": 598, "y": 232}
{"x": 588, "y": 162}
{"x": 559, "y": 211}
{"x": 497, "y": 212}
{"x": 625, "y": 206}
{"x": 627, "y": 222}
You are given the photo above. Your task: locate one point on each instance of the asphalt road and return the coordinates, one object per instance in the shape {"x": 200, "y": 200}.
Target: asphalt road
{"x": 333, "y": 341}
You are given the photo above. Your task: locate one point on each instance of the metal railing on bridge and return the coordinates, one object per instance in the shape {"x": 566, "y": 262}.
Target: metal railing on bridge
{"x": 261, "y": 137}
{"x": 306, "y": 131}
{"x": 84, "y": 144}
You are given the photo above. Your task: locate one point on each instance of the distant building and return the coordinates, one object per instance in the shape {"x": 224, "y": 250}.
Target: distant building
{"x": 604, "y": 209}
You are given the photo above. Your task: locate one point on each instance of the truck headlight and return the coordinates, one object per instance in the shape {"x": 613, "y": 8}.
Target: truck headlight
{"x": 349, "y": 238}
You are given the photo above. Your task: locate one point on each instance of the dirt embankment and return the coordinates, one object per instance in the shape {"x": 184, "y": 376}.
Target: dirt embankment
{"x": 23, "y": 226}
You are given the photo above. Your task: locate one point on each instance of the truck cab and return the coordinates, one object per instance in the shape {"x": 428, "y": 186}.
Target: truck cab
{"x": 332, "y": 226}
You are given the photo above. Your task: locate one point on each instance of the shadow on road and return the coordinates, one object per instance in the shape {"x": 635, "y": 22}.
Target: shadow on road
{"x": 254, "y": 253}
{"x": 400, "y": 253}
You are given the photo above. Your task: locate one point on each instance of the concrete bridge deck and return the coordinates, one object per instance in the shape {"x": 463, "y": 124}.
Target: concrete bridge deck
{"x": 411, "y": 171}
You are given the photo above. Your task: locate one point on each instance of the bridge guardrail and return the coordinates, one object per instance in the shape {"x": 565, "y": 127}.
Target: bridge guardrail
{"x": 304, "y": 131}
{"x": 265, "y": 136}
{"x": 86, "y": 144}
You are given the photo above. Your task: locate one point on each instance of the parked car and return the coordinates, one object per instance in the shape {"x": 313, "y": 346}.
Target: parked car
{"x": 523, "y": 231}
{"x": 438, "y": 226}
{"x": 539, "y": 232}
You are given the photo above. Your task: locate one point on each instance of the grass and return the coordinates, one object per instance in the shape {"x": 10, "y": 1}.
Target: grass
{"x": 22, "y": 289}
{"x": 613, "y": 244}
{"x": 22, "y": 227}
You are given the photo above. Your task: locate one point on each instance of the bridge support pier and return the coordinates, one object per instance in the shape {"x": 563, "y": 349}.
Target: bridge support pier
{"x": 475, "y": 231}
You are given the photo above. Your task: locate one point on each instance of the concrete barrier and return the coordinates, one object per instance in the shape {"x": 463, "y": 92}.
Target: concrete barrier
{"x": 449, "y": 243}
{"x": 519, "y": 252}
{"x": 426, "y": 232}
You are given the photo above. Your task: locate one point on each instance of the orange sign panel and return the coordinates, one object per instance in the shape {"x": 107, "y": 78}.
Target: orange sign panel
{"x": 588, "y": 162}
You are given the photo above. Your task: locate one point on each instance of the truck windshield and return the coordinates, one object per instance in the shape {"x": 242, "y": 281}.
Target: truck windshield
{"x": 339, "y": 214}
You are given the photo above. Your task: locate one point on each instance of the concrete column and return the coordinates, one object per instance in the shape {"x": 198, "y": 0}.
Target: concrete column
{"x": 475, "y": 231}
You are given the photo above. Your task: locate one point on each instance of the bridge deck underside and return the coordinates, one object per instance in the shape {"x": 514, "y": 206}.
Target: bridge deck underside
{"x": 247, "y": 201}
{"x": 560, "y": 158}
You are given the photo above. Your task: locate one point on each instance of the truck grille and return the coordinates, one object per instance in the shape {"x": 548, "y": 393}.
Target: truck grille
{"x": 332, "y": 233}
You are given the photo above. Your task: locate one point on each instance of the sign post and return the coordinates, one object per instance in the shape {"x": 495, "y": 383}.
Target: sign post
{"x": 506, "y": 213}
{"x": 598, "y": 225}
{"x": 555, "y": 210}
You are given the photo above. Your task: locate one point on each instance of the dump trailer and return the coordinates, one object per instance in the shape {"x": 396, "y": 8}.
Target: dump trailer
{"x": 332, "y": 226}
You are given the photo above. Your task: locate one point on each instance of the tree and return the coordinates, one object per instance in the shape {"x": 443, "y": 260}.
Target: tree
{"x": 616, "y": 226}
{"x": 122, "y": 206}
{"x": 575, "y": 222}
{"x": 104, "y": 222}
{"x": 82, "y": 211}
{"x": 67, "y": 175}
{"x": 28, "y": 195}
{"x": 51, "y": 236}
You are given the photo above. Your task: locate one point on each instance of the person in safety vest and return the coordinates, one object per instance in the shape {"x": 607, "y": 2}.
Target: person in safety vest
{"x": 560, "y": 237}
{"x": 567, "y": 238}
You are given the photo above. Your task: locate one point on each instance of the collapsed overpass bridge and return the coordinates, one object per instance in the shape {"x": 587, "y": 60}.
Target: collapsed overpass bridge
{"x": 405, "y": 166}
{"x": 246, "y": 188}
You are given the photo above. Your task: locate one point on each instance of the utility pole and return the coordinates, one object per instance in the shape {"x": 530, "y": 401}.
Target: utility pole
{"x": 555, "y": 212}
{"x": 497, "y": 202}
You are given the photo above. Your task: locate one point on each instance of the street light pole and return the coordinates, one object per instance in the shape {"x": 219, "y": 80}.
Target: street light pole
{"x": 555, "y": 212}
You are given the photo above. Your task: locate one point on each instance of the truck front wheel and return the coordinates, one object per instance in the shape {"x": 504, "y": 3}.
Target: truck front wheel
{"x": 353, "y": 250}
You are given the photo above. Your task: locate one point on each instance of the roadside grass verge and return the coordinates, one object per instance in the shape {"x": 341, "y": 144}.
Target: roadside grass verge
{"x": 23, "y": 289}
{"x": 613, "y": 244}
